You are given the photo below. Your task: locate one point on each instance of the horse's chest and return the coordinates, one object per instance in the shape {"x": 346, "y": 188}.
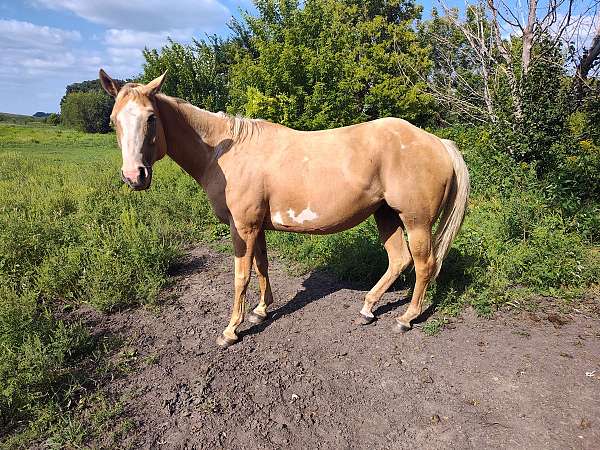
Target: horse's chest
{"x": 216, "y": 198}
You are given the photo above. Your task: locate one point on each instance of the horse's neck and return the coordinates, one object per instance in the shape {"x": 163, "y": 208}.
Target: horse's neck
{"x": 191, "y": 134}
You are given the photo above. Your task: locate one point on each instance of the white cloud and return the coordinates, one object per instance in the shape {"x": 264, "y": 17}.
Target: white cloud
{"x": 148, "y": 15}
{"x": 126, "y": 57}
{"x": 124, "y": 48}
{"x": 30, "y": 49}
{"x": 91, "y": 60}
{"x": 141, "y": 39}
{"x": 16, "y": 34}
{"x": 37, "y": 62}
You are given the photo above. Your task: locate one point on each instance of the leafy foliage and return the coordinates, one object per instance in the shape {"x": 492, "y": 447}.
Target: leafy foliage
{"x": 84, "y": 86}
{"x": 321, "y": 64}
{"x": 198, "y": 73}
{"x": 454, "y": 79}
{"x": 87, "y": 111}
{"x": 330, "y": 63}
{"x": 53, "y": 119}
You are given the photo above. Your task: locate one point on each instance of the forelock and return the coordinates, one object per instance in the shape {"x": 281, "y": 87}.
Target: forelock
{"x": 131, "y": 91}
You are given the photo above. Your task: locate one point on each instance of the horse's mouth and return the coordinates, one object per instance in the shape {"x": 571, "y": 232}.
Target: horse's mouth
{"x": 142, "y": 182}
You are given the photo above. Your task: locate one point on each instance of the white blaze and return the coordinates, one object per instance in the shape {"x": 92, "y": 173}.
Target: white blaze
{"x": 304, "y": 216}
{"x": 132, "y": 138}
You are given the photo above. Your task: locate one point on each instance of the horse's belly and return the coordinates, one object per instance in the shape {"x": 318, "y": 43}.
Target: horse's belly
{"x": 320, "y": 217}
{"x": 322, "y": 193}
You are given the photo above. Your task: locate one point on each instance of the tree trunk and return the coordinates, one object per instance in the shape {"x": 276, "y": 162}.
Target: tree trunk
{"x": 586, "y": 63}
{"x": 528, "y": 35}
{"x": 509, "y": 67}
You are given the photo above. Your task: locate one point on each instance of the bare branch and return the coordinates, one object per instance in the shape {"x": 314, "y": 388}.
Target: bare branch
{"x": 588, "y": 60}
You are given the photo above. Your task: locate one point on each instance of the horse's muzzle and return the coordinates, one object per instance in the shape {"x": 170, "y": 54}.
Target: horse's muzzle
{"x": 138, "y": 181}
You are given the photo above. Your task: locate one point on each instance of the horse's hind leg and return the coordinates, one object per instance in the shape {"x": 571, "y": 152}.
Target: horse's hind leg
{"x": 391, "y": 233}
{"x": 261, "y": 265}
{"x": 420, "y": 244}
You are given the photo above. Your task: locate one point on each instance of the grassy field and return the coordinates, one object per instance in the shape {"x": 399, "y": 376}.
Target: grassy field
{"x": 71, "y": 233}
{"x": 19, "y": 119}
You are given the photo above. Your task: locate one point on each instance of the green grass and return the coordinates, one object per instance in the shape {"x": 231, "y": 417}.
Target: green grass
{"x": 71, "y": 233}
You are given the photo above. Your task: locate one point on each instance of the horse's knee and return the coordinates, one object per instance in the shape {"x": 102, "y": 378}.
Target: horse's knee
{"x": 398, "y": 265}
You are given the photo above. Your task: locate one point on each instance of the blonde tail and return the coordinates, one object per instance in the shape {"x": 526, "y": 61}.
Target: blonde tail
{"x": 455, "y": 207}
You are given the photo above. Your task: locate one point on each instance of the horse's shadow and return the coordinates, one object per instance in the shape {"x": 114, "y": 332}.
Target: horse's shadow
{"x": 320, "y": 283}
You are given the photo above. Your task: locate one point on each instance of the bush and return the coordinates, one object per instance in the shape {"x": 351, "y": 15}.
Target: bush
{"x": 87, "y": 111}
{"x": 325, "y": 63}
{"x": 53, "y": 119}
{"x": 198, "y": 72}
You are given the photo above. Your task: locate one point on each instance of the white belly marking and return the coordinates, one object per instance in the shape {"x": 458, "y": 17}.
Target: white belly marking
{"x": 306, "y": 215}
{"x": 277, "y": 218}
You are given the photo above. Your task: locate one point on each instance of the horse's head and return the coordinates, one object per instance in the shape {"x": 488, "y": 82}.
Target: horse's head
{"x": 139, "y": 129}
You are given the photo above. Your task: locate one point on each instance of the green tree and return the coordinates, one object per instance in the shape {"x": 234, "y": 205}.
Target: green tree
{"x": 329, "y": 63}
{"x": 198, "y": 72}
{"x": 53, "y": 119}
{"x": 87, "y": 111}
{"x": 84, "y": 86}
{"x": 456, "y": 78}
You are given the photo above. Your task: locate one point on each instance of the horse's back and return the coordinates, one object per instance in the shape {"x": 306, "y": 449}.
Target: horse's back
{"x": 332, "y": 179}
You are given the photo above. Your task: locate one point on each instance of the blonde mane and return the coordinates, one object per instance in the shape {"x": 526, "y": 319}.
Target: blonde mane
{"x": 240, "y": 128}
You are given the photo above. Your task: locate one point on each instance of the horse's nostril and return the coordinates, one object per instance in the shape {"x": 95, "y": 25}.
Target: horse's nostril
{"x": 138, "y": 178}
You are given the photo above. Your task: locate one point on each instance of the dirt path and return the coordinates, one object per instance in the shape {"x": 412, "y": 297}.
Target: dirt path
{"x": 311, "y": 378}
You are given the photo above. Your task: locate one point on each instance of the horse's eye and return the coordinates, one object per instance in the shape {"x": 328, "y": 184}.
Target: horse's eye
{"x": 151, "y": 118}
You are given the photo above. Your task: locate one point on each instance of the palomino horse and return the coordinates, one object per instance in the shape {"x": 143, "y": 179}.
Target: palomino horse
{"x": 262, "y": 176}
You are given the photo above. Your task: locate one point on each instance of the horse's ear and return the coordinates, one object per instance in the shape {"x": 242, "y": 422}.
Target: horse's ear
{"x": 109, "y": 85}
{"x": 154, "y": 86}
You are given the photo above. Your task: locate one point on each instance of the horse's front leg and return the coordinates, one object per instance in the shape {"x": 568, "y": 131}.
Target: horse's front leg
{"x": 244, "y": 239}
{"x": 261, "y": 266}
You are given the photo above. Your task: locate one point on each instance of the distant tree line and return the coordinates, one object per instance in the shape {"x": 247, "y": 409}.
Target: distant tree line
{"x": 86, "y": 107}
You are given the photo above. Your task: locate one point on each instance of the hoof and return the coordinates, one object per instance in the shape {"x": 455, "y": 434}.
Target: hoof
{"x": 224, "y": 342}
{"x": 365, "y": 320}
{"x": 255, "y": 318}
{"x": 401, "y": 327}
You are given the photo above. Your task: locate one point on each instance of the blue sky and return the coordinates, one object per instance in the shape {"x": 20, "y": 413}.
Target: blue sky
{"x": 47, "y": 44}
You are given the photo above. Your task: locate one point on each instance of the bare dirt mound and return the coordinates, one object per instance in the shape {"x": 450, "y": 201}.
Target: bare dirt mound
{"x": 311, "y": 378}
